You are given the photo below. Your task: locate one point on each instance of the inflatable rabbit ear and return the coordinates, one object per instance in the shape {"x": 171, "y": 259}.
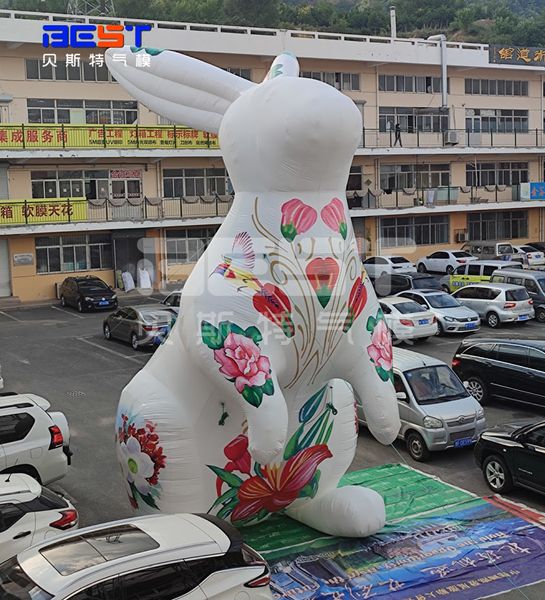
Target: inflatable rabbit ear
{"x": 284, "y": 65}
{"x": 183, "y": 89}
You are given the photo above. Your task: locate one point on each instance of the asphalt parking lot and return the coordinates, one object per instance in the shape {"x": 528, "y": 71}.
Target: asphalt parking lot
{"x": 61, "y": 355}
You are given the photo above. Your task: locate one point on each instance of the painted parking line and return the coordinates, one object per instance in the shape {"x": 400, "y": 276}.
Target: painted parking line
{"x": 115, "y": 352}
{"x": 11, "y": 316}
{"x": 67, "y": 312}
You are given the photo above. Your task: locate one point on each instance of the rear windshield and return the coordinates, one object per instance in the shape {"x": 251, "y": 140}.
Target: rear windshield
{"x": 15, "y": 584}
{"x": 409, "y": 307}
{"x": 426, "y": 283}
{"x": 398, "y": 259}
{"x": 516, "y": 295}
{"x": 157, "y": 318}
{"x": 442, "y": 301}
{"x": 461, "y": 255}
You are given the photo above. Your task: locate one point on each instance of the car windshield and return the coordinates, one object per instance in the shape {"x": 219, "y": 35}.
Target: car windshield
{"x": 408, "y": 307}
{"x": 426, "y": 282}
{"x": 398, "y": 259}
{"x": 442, "y": 301}
{"x": 431, "y": 385}
{"x": 461, "y": 255}
{"x": 93, "y": 286}
{"x": 15, "y": 584}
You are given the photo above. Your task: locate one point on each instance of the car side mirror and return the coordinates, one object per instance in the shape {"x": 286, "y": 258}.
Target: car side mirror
{"x": 401, "y": 396}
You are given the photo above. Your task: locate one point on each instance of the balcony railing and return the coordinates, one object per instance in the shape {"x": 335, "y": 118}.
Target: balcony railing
{"x": 61, "y": 137}
{"x": 41, "y": 211}
{"x": 453, "y": 138}
{"x": 432, "y": 197}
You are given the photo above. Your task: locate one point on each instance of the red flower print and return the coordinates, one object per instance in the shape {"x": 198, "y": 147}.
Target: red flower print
{"x": 333, "y": 216}
{"x": 274, "y": 304}
{"x": 297, "y": 217}
{"x": 356, "y": 303}
{"x": 322, "y": 274}
{"x": 239, "y": 458}
{"x": 280, "y": 484}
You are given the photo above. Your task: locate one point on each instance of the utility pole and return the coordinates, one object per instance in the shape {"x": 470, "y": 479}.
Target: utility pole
{"x": 91, "y": 8}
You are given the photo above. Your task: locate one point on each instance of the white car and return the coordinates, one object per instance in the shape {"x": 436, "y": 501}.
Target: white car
{"x": 1, "y": 379}
{"x": 529, "y": 255}
{"x": 160, "y": 557}
{"x": 376, "y": 266}
{"x": 33, "y": 440}
{"x": 172, "y": 301}
{"x": 444, "y": 261}
{"x": 407, "y": 320}
{"x": 30, "y": 514}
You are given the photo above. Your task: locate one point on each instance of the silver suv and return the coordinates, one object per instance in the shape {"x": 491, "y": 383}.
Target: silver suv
{"x": 497, "y": 303}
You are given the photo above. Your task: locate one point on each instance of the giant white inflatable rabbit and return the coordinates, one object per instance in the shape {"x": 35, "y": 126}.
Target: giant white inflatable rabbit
{"x": 249, "y": 409}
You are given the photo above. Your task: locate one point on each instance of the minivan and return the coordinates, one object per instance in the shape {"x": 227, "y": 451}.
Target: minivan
{"x": 533, "y": 281}
{"x": 475, "y": 272}
{"x": 497, "y": 303}
{"x": 435, "y": 409}
{"x": 489, "y": 250}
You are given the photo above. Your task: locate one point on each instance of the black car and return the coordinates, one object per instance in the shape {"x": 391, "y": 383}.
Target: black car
{"x": 87, "y": 293}
{"x": 502, "y": 369}
{"x": 537, "y": 245}
{"x": 513, "y": 454}
{"x": 388, "y": 285}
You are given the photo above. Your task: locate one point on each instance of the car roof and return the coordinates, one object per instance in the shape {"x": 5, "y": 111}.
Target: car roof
{"x": 404, "y": 360}
{"x": 18, "y": 487}
{"x": 13, "y": 400}
{"x": 494, "y": 262}
{"x": 425, "y": 292}
{"x": 496, "y": 286}
{"x": 395, "y": 299}
{"x": 519, "y": 272}
{"x": 533, "y": 343}
{"x": 178, "y": 536}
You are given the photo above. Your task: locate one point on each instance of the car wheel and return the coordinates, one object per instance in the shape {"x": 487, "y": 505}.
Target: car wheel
{"x": 80, "y": 306}
{"x": 540, "y": 315}
{"x": 421, "y": 268}
{"x": 134, "y": 342}
{"x": 450, "y": 270}
{"x": 416, "y": 447}
{"x": 497, "y": 475}
{"x": 445, "y": 289}
{"x": 477, "y": 388}
{"x": 440, "y": 330}
{"x": 107, "y": 332}
{"x": 493, "y": 320}
{"x": 63, "y": 301}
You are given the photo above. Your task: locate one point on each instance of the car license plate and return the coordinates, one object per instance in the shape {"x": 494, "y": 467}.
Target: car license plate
{"x": 423, "y": 321}
{"x": 471, "y": 326}
{"x": 463, "y": 443}
{"x": 103, "y": 303}
{"x": 523, "y": 317}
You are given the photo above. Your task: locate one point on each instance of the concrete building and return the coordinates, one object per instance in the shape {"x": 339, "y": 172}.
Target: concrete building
{"x": 92, "y": 182}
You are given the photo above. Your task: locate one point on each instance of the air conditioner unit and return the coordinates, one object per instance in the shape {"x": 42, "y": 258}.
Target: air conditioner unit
{"x": 462, "y": 236}
{"x": 450, "y": 137}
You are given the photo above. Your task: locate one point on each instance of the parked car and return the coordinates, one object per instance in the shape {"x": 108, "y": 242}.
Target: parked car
{"x": 533, "y": 281}
{"x": 497, "y": 303}
{"x": 383, "y": 265}
{"x": 503, "y": 369}
{"x": 161, "y": 557}
{"x": 475, "y": 272}
{"x": 444, "y": 261}
{"x": 513, "y": 455}
{"x": 87, "y": 293}
{"x": 389, "y": 285}
{"x": 451, "y": 315}
{"x": 172, "y": 301}
{"x": 30, "y": 514}
{"x": 32, "y": 439}
{"x": 1, "y": 379}
{"x": 138, "y": 325}
{"x": 436, "y": 410}
{"x": 530, "y": 256}
{"x": 407, "y": 320}
{"x": 489, "y": 250}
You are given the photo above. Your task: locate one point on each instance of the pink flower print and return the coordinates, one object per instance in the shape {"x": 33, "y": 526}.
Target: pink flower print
{"x": 333, "y": 216}
{"x": 297, "y": 218}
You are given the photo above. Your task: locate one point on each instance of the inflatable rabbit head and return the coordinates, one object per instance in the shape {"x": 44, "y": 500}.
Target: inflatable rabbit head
{"x": 284, "y": 125}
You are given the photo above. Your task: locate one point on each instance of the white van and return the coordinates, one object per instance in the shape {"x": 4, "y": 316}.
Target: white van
{"x": 435, "y": 409}
{"x": 490, "y": 250}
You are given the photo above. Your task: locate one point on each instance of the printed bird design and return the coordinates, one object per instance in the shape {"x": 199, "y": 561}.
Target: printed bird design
{"x": 237, "y": 266}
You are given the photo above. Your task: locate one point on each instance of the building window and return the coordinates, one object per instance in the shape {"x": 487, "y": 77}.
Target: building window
{"x": 69, "y": 253}
{"x": 500, "y": 173}
{"x": 57, "y": 184}
{"x": 430, "y": 175}
{"x": 496, "y": 87}
{"x": 410, "y": 83}
{"x": 241, "y": 72}
{"x": 500, "y": 225}
{"x": 496, "y": 120}
{"x": 195, "y": 182}
{"x": 355, "y": 178}
{"x": 408, "y": 231}
{"x": 342, "y": 81}
{"x": 412, "y": 119}
{"x": 95, "y": 112}
{"x": 63, "y": 72}
{"x": 188, "y": 245}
